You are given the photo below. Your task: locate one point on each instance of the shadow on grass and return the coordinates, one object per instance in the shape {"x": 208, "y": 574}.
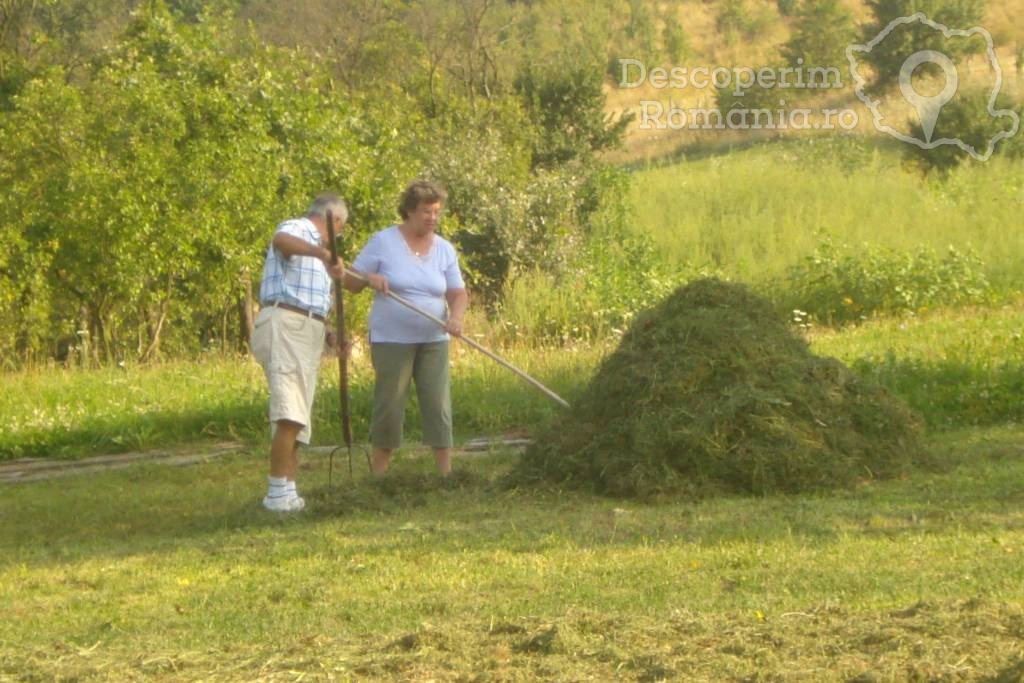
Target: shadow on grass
{"x": 153, "y": 509}
{"x": 397, "y": 493}
{"x": 845, "y": 150}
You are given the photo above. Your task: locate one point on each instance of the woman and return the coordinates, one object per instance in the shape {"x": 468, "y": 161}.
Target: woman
{"x": 416, "y": 263}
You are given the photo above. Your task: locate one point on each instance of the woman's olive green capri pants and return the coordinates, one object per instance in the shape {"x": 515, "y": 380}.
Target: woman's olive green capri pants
{"x": 395, "y": 366}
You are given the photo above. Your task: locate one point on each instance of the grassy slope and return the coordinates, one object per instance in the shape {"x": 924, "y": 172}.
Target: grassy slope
{"x": 752, "y": 214}
{"x": 709, "y": 48}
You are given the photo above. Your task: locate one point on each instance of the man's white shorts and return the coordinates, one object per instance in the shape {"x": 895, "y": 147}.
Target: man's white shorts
{"x": 289, "y": 345}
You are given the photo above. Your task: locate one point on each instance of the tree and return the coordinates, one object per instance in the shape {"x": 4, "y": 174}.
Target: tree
{"x": 966, "y": 118}
{"x": 139, "y": 187}
{"x": 39, "y": 145}
{"x": 566, "y": 106}
{"x": 821, "y": 31}
{"x": 888, "y": 56}
{"x": 677, "y": 46}
{"x": 38, "y": 34}
{"x": 156, "y": 183}
{"x": 735, "y": 19}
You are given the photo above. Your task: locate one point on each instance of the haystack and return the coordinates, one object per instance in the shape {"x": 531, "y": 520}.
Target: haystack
{"x": 713, "y": 391}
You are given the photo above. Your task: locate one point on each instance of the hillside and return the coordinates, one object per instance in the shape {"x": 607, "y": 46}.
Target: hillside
{"x": 734, "y": 34}
{"x": 430, "y": 48}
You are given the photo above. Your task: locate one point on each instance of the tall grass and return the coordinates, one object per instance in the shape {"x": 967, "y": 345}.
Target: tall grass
{"x": 65, "y": 413}
{"x": 754, "y": 213}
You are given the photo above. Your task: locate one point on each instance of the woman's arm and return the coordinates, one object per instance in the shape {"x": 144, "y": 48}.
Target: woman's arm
{"x": 355, "y": 284}
{"x": 368, "y": 260}
{"x": 458, "y": 301}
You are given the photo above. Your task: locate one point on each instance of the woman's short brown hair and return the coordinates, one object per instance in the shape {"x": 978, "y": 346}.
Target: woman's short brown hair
{"x": 420, "y": 192}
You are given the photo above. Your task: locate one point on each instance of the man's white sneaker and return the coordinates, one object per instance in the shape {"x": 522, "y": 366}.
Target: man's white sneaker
{"x": 286, "y": 503}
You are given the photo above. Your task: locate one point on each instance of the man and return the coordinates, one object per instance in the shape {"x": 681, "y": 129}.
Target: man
{"x": 288, "y": 337}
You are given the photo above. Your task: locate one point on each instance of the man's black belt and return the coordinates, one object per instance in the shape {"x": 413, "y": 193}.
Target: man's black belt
{"x": 293, "y": 309}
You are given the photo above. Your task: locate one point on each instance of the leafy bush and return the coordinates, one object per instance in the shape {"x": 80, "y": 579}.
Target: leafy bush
{"x": 677, "y": 45}
{"x": 839, "y": 288}
{"x": 177, "y": 147}
{"x": 754, "y": 99}
{"x": 852, "y": 153}
{"x": 786, "y": 7}
{"x": 566, "y": 106}
{"x": 172, "y": 159}
{"x": 736, "y": 19}
{"x": 608, "y": 274}
{"x": 507, "y": 213}
{"x": 712, "y": 391}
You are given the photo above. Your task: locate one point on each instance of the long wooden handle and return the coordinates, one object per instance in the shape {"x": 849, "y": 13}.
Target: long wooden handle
{"x": 342, "y": 341}
{"x": 490, "y": 354}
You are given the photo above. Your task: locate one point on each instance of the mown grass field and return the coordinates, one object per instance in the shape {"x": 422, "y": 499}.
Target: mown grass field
{"x": 958, "y": 368}
{"x": 177, "y": 574}
{"x": 70, "y": 413}
{"x": 164, "y": 573}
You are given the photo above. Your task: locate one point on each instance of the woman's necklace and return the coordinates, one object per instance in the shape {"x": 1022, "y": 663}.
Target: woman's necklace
{"x": 419, "y": 252}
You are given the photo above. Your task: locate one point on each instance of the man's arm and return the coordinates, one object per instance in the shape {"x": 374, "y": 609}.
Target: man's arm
{"x": 290, "y": 245}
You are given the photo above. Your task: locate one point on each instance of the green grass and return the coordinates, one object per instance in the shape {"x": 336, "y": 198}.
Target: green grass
{"x": 175, "y": 573}
{"x": 155, "y": 572}
{"x": 957, "y": 368}
{"x": 68, "y": 413}
{"x": 752, "y": 214}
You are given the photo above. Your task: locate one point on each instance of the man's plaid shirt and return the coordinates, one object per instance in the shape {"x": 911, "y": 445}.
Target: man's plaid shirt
{"x": 299, "y": 280}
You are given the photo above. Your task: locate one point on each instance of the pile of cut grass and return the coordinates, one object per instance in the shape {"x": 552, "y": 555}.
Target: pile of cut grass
{"x": 711, "y": 391}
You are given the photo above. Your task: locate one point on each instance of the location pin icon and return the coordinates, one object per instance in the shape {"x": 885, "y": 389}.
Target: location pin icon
{"x": 928, "y": 107}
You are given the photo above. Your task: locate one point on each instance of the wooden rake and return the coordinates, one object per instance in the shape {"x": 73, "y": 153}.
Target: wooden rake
{"x": 466, "y": 340}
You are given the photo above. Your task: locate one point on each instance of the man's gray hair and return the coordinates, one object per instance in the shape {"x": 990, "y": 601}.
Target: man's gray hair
{"x": 328, "y": 201}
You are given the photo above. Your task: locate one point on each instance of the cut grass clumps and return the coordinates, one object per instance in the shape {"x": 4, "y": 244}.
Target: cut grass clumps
{"x": 711, "y": 391}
